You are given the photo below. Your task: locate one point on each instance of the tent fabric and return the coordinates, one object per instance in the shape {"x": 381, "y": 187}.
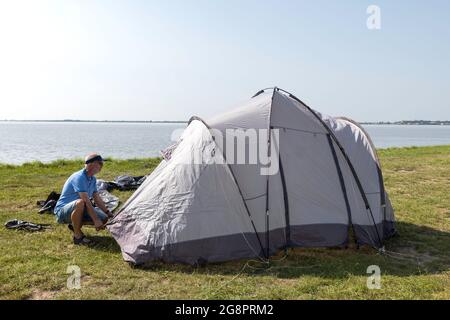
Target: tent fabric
{"x": 185, "y": 202}
{"x": 203, "y": 205}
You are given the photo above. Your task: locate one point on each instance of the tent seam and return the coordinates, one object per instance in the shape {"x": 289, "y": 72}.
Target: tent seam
{"x": 341, "y": 148}
{"x": 233, "y": 178}
{"x": 342, "y": 183}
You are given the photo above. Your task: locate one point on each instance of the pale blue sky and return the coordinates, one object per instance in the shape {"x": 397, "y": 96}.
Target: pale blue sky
{"x": 143, "y": 60}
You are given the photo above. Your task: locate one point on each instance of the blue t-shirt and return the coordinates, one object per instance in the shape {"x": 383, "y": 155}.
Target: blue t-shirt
{"x": 77, "y": 182}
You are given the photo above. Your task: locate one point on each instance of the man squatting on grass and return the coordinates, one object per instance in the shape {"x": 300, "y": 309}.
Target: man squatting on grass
{"x": 74, "y": 207}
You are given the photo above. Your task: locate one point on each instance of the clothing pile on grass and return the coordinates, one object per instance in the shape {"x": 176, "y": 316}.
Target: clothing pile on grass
{"x": 16, "y": 224}
{"x": 122, "y": 183}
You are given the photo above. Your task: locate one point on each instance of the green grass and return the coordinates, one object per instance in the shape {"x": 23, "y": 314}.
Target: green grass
{"x": 33, "y": 265}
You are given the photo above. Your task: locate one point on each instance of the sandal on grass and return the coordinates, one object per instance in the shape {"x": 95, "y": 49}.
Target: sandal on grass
{"x": 82, "y": 241}
{"x": 70, "y": 227}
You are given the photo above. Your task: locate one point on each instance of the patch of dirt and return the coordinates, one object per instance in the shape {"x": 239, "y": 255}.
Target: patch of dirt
{"x": 87, "y": 281}
{"x": 411, "y": 253}
{"x": 405, "y": 171}
{"x": 38, "y": 294}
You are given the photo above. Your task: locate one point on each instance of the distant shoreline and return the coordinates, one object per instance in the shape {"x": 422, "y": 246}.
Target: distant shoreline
{"x": 411, "y": 122}
{"x": 100, "y": 121}
{"x": 68, "y": 161}
{"x": 403, "y": 122}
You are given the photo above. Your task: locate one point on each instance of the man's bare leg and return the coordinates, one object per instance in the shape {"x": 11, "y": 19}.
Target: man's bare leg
{"x": 77, "y": 218}
{"x": 91, "y": 223}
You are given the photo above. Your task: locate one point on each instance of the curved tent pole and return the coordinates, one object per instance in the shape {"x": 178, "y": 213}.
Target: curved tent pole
{"x": 235, "y": 181}
{"x": 267, "y": 177}
{"x": 263, "y": 90}
{"x": 347, "y": 159}
{"x": 342, "y": 183}
{"x": 282, "y": 177}
{"x": 341, "y": 148}
{"x": 378, "y": 163}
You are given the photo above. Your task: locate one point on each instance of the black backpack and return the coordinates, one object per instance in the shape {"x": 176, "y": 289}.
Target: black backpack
{"x": 49, "y": 204}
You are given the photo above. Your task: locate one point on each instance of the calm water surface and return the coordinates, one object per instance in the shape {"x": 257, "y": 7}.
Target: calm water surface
{"x": 46, "y": 141}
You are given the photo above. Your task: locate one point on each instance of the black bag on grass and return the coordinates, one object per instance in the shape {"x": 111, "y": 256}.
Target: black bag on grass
{"x": 49, "y": 204}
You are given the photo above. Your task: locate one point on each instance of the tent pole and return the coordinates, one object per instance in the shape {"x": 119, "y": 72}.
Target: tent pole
{"x": 267, "y": 177}
{"x": 344, "y": 190}
{"x": 235, "y": 182}
{"x": 347, "y": 159}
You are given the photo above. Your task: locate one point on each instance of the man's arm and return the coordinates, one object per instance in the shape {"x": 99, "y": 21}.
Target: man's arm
{"x": 90, "y": 209}
{"x": 99, "y": 202}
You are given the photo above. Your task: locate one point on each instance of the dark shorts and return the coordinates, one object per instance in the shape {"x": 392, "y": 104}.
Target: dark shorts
{"x": 63, "y": 215}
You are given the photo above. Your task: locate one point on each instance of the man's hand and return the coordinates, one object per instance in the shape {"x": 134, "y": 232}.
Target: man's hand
{"x": 98, "y": 224}
{"x": 99, "y": 203}
{"x": 109, "y": 214}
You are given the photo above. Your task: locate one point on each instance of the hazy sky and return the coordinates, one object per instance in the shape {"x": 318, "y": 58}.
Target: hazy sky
{"x": 143, "y": 60}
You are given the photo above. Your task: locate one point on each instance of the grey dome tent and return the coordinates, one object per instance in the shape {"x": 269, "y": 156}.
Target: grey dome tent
{"x": 328, "y": 185}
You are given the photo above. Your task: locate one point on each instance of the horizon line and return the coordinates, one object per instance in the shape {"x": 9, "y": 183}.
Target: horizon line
{"x": 185, "y": 121}
{"x": 79, "y": 120}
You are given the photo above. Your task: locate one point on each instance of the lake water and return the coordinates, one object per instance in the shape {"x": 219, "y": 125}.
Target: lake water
{"x": 46, "y": 141}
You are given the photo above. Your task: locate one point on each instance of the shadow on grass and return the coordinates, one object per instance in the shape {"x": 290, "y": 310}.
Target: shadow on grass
{"x": 104, "y": 243}
{"x": 416, "y": 250}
